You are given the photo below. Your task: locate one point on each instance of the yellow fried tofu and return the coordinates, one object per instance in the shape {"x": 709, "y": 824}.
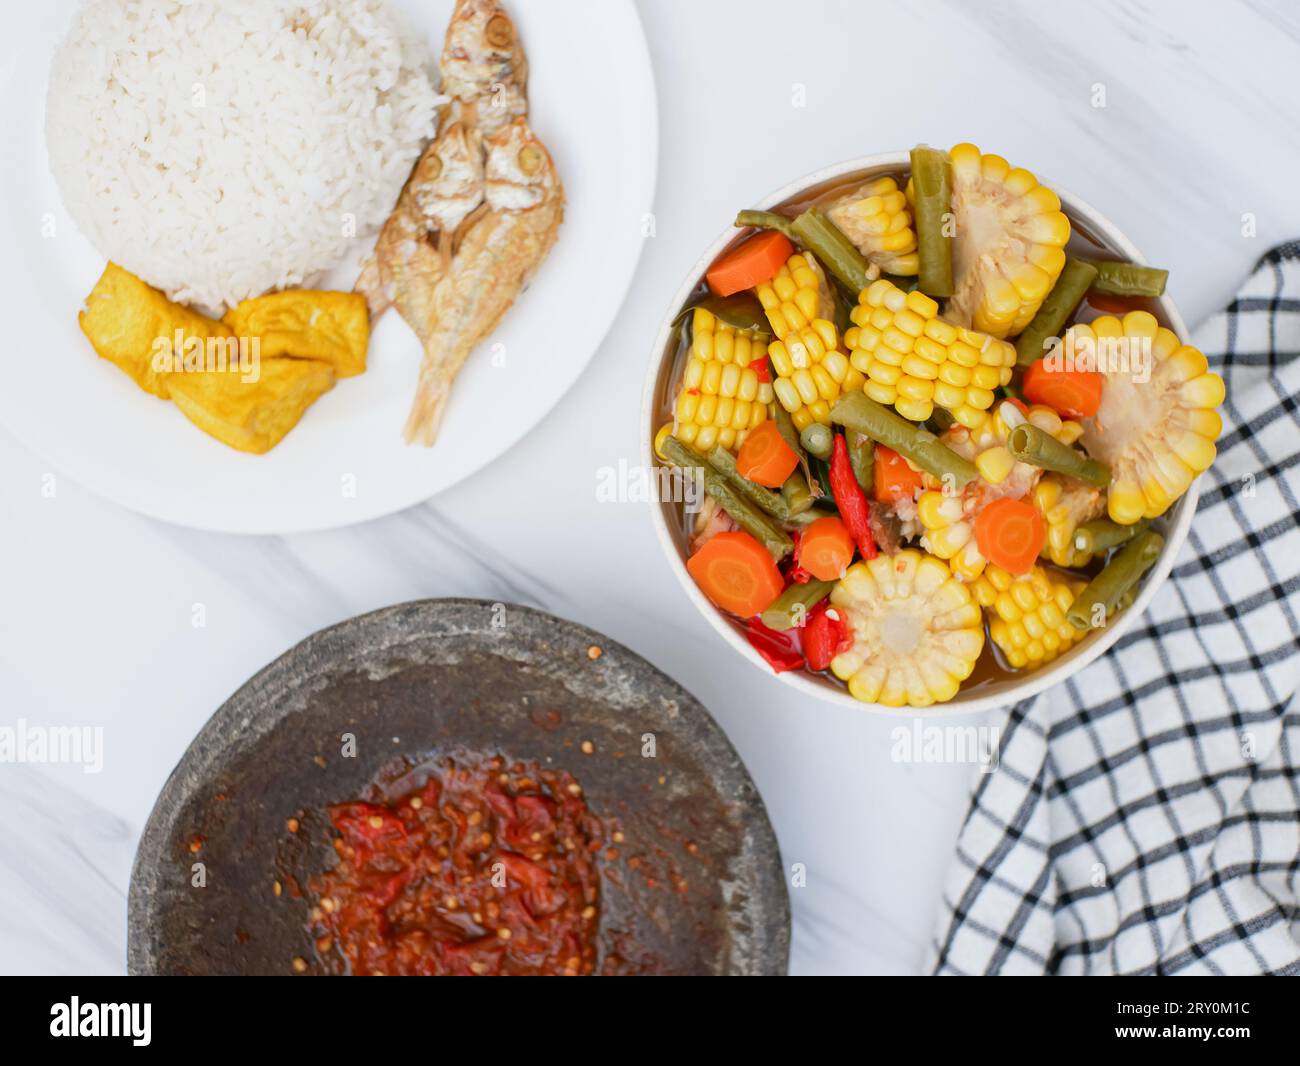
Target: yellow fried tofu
{"x": 135, "y": 327}
{"x": 251, "y": 416}
{"x": 307, "y": 324}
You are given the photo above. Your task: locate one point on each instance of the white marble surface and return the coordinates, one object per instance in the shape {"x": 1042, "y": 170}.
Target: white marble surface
{"x": 1201, "y": 127}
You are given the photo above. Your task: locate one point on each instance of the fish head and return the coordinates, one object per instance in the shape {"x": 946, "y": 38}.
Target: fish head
{"x": 482, "y": 53}
{"x": 519, "y": 174}
{"x": 448, "y": 181}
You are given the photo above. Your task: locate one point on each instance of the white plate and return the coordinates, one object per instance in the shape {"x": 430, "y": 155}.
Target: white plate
{"x": 593, "y": 103}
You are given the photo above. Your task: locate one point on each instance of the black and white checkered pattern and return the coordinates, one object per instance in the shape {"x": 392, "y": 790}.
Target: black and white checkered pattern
{"x": 1145, "y": 816}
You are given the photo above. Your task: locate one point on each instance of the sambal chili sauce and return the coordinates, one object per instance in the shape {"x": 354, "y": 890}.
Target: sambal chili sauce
{"x": 487, "y": 869}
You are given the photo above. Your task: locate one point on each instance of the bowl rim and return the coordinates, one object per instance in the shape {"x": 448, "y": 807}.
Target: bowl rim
{"x": 1178, "y": 520}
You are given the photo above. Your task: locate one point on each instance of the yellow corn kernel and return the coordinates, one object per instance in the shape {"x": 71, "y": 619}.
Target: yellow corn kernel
{"x": 1160, "y": 428}
{"x": 900, "y": 342}
{"x": 1026, "y": 614}
{"x": 877, "y": 219}
{"x": 994, "y": 464}
{"x": 811, "y": 370}
{"x": 720, "y": 398}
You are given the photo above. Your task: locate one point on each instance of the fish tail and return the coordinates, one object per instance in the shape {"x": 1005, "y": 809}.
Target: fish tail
{"x": 425, "y": 417}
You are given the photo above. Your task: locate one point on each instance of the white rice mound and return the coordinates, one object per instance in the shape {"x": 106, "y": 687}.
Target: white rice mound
{"x": 223, "y": 148}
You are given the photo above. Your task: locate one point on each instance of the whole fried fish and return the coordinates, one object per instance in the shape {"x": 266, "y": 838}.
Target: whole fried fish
{"x": 496, "y": 255}
{"x": 445, "y": 186}
{"x": 483, "y": 66}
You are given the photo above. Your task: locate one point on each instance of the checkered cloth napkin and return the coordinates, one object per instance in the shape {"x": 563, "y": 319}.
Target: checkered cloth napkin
{"x": 1144, "y": 817}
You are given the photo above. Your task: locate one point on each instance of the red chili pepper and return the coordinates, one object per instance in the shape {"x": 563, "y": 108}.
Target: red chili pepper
{"x": 778, "y": 649}
{"x": 796, "y": 574}
{"x": 824, "y": 636}
{"x": 850, "y": 499}
{"x": 760, "y": 367}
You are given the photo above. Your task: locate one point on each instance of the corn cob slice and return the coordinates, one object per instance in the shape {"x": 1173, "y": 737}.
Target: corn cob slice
{"x": 917, "y": 632}
{"x": 876, "y": 218}
{"x": 811, "y": 371}
{"x": 1065, "y": 505}
{"x": 722, "y": 397}
{"x": 1027, "y": 614}
{"x": 1008, "y": 246}
{"x": 916, "y": 361}
{"x": 1156, "y": 434}
{"x": 948, "y": 520}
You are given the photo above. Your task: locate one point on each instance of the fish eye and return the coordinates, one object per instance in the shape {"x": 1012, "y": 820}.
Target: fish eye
{"x": 530, "y": 159}
{"x": 434, "y": 167}
{"x": 500, "y": 33}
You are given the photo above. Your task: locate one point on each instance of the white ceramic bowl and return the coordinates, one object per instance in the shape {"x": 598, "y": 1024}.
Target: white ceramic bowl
{"x": 1174, "y": 525}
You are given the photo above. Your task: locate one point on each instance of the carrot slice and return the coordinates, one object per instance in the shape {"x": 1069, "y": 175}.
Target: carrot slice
{"x": 1070, "y": 393}
{"x": 765, "y": 457}
{"x": 892, "y": 479}
{"x": 1010, "y": 534}
{"x": 826, "y": 549}
{"x": 749, "y": 264}
{"x": 1116, "y": 305}
{"x": 736, "y": 573}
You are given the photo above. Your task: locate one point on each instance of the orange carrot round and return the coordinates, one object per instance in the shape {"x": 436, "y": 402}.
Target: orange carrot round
{"x": 891, "y": 478}
{"x": 1010, "y": 534}
{"x": 765, "y": 457}
{"x": 826, "y": 549}
{"x": 1070, "y": 393}
{"x": 736, "y": 573}
{"x": 749, "y": 264}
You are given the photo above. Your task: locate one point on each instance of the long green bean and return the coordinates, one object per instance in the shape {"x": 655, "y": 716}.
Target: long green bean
{"x": 765, "y": 220}
{"x": 862, "y": 457}
{"x": 798, "y": 497}
{"x": 764, "y": 499}
{"x": 1070, "y": 288}
{"x": 1100, "y": 535}
{"x": 932, "y": 183}
{"x": 815, "y": 232}
{"x": 1031, "y": 445}
{"x": 859, "y": 412}
{"x": 1128, "y": 279}
{"x": 817, "y": 440}
{"x": 746, "y": 515}
{"x": 791, "y": 608}
{"x": 1120, "y": 576}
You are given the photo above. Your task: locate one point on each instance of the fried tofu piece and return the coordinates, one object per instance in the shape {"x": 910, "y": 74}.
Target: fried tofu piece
{"x": 333, "y": 327}
{"x": 251, "y": 416}
{"x": 129, "y": 323}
